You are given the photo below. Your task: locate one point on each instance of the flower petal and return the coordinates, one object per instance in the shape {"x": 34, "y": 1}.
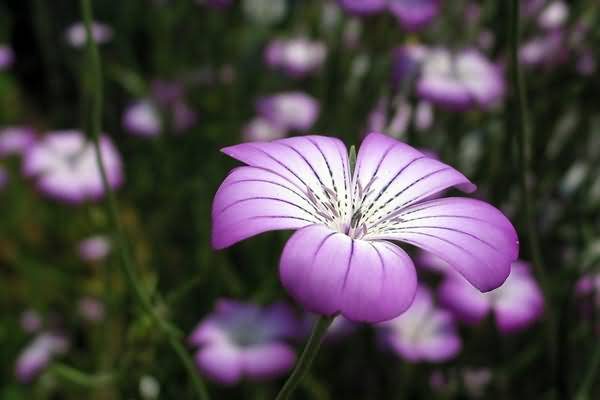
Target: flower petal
{"x": 267, "y": 360}
{"x": 466, "y": 303}
{"x": 329, "y": 273}
{"x": 472, "y": 236}
{"x": 391, "y": 175}
{"x": 220, "y": 362}
{"x": 290, "y": 183}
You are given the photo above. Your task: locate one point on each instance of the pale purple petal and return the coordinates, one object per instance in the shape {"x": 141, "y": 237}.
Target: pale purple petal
{"x": 267, "y": 360}
{"x": 7, "y": 57}
{"x": 519, "y": 302}
{"x": 142, "y": 118}
{"x": 94, "y": 248}
{"x": 76, "y": 34}
{"x": 222, "y": 363}
{"x": 465, "y": 301}
{"x": 472, "y": 236}
{"x": 291, "y": 110}
{"x": 262, "y": 129}
{"x": 391, "y": 175}
{"x": 423, "y": 332}
{"x": 414, "y": 14}
{"x": 329, "y": 273}
{"x": 362, "y": 7}
{"x": 16, "y": 140}
{"x": 275, "y": 192}
{"x": 297, "y": 57}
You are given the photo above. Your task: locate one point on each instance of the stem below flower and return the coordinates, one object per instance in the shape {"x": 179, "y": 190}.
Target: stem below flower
{"x": 93, "y": 128}
{"x": 306, "y": 358}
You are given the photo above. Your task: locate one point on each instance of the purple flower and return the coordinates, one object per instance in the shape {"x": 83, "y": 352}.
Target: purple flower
{"x": 16, "y": 140}
{"x": 64, "y": 165}
{"x": 239, "y": 341}
{"x": 290, "y": 110}
{"x": 170, "y": 98}
{"x": 547, "y": 50}
{"x": 516, "y": 304}
{"x": 423, "y": 333}
{"x": 588, "y": 288}
{"x": 261, "y": 129}
{"x": 406, "y": 63}
{"x": 91, "y": 309}
{"x": 414, "y": 14}
{"x": 460, "y": 81}
{"x": 183, "y": 117}
{"x": 554, "y": 15}
{"x": 94, "y": 248}
{"x": 76, "y": 35}
{"x": 363, "y": 7}
{"x": 7, "y": 57}
{"x": 37, "y": 355}
{"x": 297, "y": 57}
{"x": 142, "y": 118}
{"x": 341, "y": 260}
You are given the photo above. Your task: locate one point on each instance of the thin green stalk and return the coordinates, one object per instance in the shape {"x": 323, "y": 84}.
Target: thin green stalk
{"x": 94, "y": 127}
{"x": 306, "y": 358}
{"x": 522, "y": 130}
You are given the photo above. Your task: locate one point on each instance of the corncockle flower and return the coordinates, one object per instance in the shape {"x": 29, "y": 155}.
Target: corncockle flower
{"x": 548, "y": 50}
{"x": 169, "y": 96}
{"x": 165, "y": 92}
{"x": 516, "y": 304}
{"x": 76, "y": 35}
{"x": 261, "y": 129}
{"x": 406, "y": 63}
{"x": 297, "y": 57}
{"x": 290, "y": 110}
{"x": 423, "y": 333}
{"x": 31, "y": 321}
{"x": 91, "y": 309}
{"x": 16, "y": 140}
{"x": 7, "y": 57}
{"x": 183, "y": 117}
{"x": 554, "y": 15}
{"x": 64, "y": 165}
{"x": 341, "y": 259}
{"x": 588, "y": 287}
{"x": 94, "y": 248}
{"x": 38, "y": 354}
{"x": 241, "y": 341}
{"x": 363, "y": 7}
{"x": 460, "y": 81}
{"x": 142, "y": 118}
{"x": 414, "y": 14}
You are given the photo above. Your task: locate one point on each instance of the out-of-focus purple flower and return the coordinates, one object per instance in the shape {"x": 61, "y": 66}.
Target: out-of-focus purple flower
{"x": 516, "y": 304}
{"x": 588, "y": 286}
{"x": 423, "y": 333}
{"x": 406, "y": 63}
{"x": 7, "y": 57}
{"x": 290, "y": 110}
{"x": 339, "y": 328}
{"x": 554, "y": 15}
{"x": 94, "y": 248}
{"x": 142, "y": 118}
{"x": 423, "y": 116}
{"x": 64, "y": 166}
{"x": 297, "y": 57}
{"x": 399, "y": 121}
{"x": 31, "y": 321}
{"x": 414, "y": 14}
{"x": 240, "y": 340}
{"x": 91, "y": 309}
{"x": 38, "y": 354}
{"x": 183, "y": 116}
{"x": 460, "y": 81}
{"x": 166, "y": 93}
{"x": 261, "y": 129}
{"x": 546, "y": 50}
{"x": 341, "y": 259}
{"x": 76, "y": 35}
{"x": 476, "y": 380}
{"x": 363, "y": 7}
{"x": 16, "y": 140}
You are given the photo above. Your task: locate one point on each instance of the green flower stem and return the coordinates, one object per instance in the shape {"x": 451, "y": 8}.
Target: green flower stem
{"x": 94, "y": 127}
{"x": 306, "y": 358}
{"x": 518, "y": 115}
